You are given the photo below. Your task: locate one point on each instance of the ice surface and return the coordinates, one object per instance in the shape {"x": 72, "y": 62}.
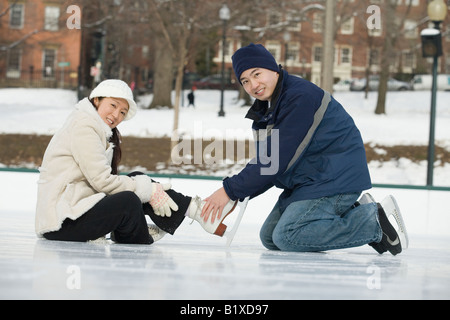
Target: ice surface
{"x": 195, "y": 265}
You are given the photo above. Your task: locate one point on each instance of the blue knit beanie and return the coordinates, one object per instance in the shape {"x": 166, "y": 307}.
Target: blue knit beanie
{"x": 253, "y": 56}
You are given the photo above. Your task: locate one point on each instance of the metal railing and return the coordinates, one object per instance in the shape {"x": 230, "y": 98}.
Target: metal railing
{"x": 212, "y": 178}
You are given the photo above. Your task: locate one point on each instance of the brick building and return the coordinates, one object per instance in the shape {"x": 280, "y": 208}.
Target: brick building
{"x": 37, "y": 48}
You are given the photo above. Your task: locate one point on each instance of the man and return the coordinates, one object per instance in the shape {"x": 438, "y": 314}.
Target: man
{"x": 310, "y": 147}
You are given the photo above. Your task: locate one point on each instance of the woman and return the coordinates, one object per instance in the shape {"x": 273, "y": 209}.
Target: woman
{"x": 80, "y": 195}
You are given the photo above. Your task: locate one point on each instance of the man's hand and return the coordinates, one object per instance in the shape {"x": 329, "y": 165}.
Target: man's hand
{"x": 214, "y": 205}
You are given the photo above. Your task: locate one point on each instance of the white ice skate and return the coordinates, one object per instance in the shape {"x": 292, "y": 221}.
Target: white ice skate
{"x": 391, "y": 208}
{"x": 156, "y": 233}
{"x": 217, "y": 228}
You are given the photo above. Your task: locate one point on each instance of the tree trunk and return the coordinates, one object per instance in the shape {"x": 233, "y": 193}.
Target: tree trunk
{"x": 328, "y": 47}
{"x": 382, "y": 89}
{"x": 243, "y": 95}
{"x": 163, "y": 77}
{"x": 178, "y": 89}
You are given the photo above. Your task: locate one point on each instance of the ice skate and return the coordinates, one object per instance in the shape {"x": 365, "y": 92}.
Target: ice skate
{"x": 366, "y": 198}
{"x": 394, "y": 241}
{"x": 156, "y": 233}
{"x": 217, "y": 228}
{"x": 391, "y": 208}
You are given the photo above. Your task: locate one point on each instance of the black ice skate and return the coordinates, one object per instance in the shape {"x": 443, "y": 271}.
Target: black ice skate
{"x": 394, "y": 241}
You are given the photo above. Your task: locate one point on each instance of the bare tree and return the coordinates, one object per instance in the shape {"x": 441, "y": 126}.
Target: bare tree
{"x": 174, "y": 24}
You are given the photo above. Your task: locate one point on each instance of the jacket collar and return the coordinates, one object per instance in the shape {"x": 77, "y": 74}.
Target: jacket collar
{"x": 261, "y": 109}
{"x": 86, "y": 106}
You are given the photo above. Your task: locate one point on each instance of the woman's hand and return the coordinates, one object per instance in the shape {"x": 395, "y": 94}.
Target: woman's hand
{"x": 160, "y": 200}
{"x": 214, "y": 205}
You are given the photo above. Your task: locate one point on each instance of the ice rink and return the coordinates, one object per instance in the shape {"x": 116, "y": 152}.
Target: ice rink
{"x": 193, "y": 265}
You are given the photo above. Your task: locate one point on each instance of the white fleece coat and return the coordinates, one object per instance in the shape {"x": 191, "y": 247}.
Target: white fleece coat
{"x": 76, "y": 171}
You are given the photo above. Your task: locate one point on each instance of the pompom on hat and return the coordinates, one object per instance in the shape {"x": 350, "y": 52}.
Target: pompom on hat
{"x": 116, "y": 89}
{"x": 253, "y": 56}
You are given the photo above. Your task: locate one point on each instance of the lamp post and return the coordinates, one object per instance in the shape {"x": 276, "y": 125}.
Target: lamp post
{"x": 224, "y": 15}
{"x": 287, "y": 39}
{"x": 437, "y": 11}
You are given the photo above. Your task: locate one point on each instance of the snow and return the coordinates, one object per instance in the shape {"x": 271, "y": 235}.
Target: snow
{"x": 43, "y": 111}
{"x": 195, "y": 265}
{"x": 430, "y": 32}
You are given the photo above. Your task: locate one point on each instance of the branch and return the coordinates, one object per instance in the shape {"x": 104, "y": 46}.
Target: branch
{"x": 97, "y": 23}
{"x": 7, "y": 9}
{"x": 162, "y": 26}
{"x": 15, "y": 44}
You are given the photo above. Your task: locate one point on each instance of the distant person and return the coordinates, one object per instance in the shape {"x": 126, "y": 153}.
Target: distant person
{"x": 309, "y": 146}
{"x": 191, "y": 98}
{"x": 81, "y": 196}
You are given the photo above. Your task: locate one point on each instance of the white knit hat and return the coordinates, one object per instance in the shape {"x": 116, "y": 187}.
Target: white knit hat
{"x": 116, "y": 89}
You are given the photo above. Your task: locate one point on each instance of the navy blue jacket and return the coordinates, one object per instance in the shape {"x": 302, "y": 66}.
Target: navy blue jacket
{"x": 306, "y": 144}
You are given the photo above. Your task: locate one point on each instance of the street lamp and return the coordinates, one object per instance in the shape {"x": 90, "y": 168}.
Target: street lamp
{"x": 224, "y": 15}
{"x": 432, "y": 47}
{"x": 287, "y": 39}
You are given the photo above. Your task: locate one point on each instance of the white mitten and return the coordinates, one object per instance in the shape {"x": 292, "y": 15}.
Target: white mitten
{"x": 160, "y": 200}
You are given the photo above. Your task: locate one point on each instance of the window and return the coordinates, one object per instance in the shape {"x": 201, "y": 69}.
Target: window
{"x": 374, "y": 57}
{"x": 275, "y": 49}
{"x": 318, "y": 22}
{"x": 346, "y": 56}
{"x": 414, "y": 3}
{"x": 16, "y": 16}
{"x": 293, "y": 51}
{"x": 14, "y": 63}
{"x": 347, "y": 26}
{"x": 409, "y": 60}
{"x": 228, "y": 50}
{"x": 145, "y": 52}
{"x": 410, "y": 29}
{"x": 49, "y": 63}
{"x": 51, "y": 18}
{"x": 317, "y": 54}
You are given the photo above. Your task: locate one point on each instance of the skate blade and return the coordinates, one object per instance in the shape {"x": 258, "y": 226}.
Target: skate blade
{"x": 391, "y": 208}
{"x": 230, "y": 234}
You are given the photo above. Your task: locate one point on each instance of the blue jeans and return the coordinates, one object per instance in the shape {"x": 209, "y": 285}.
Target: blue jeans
{"x": 321, "y": 224}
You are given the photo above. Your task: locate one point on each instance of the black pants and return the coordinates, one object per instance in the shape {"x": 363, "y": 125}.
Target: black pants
{"x": 122, "y": 214}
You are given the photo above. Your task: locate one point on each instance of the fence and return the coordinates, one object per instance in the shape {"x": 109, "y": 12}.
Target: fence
{"x": 61, "y": 77}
